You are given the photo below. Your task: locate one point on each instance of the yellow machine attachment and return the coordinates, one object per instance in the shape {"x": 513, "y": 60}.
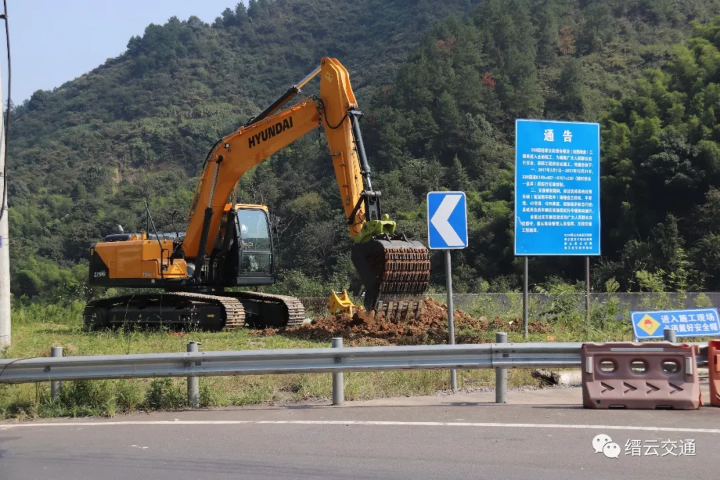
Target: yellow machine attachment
{"x": 342, "y": 303}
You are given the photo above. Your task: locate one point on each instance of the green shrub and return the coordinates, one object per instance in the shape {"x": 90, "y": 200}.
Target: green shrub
{"x": 80, "y": 399}
{"x": 208, "y": 396}
{"x": 164, "y": 394}
{"x": 129, "y": 395}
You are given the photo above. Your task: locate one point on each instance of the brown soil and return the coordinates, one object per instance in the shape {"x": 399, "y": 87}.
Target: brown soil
{"x": 430, "y": 327}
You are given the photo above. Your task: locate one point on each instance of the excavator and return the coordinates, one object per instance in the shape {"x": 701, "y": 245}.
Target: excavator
{"x": 227, "y": 244}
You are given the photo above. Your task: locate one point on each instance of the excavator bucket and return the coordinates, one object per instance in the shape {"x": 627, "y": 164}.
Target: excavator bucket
{"x": 342, "y": 303}
{"x": 395, "y": 272}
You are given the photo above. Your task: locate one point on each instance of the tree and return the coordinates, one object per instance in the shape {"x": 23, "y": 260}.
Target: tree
{"x": 548, "y": 32}
{"x": 571, "y": 87}
{"x": 458, "y": 178}
{"x": 241, "y": 13}
{"x": 228, "y": 17}
{"x": 599, "y": 26}
{"x": 28, "y": 283}
{"x": 39, "y": 99}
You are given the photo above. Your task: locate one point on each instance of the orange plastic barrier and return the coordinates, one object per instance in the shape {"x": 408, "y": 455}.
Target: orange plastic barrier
{"x": 714, "y": 367}
{"x": 640, "y": 376}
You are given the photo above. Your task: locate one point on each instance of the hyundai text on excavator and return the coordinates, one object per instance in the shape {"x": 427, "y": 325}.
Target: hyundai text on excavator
{"x": 230, "y": 245}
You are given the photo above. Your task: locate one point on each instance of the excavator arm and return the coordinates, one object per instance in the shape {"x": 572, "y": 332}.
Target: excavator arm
{"x": 387, "y": 263}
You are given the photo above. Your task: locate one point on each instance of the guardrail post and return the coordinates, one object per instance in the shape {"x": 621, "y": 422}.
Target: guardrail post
{"x": 670, "y": 335}
{"x": 500, "y": 374}
{"x": 56, "y": 386}
{"x": 193, "y": 383}
{"x": 338, "y": 380}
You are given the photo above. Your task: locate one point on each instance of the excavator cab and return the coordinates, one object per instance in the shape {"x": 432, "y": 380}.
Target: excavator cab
{"x": 247, "y": 245}
{"x": 256, "y": 249}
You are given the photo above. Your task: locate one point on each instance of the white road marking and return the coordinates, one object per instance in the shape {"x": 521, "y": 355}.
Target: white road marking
{"x": 360, "y": 423}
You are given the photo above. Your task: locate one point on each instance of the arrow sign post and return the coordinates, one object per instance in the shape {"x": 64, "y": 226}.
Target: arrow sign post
{"x": 447, "y": 230}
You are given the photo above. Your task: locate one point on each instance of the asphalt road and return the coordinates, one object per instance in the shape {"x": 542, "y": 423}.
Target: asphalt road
{"x": 447, "y": 437}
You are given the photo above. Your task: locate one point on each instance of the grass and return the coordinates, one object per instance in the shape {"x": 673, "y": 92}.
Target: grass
{"x": 36, "y": 328}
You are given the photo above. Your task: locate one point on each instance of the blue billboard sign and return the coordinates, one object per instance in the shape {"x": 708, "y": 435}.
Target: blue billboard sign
{"x": 701, "y": 322}
{"x": 557, "y": 188}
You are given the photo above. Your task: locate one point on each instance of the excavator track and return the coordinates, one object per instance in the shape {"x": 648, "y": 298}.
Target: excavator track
{"x": 268, "y": 310}
{"x": 226, "y": 312}
{"x": 233, "y": 308}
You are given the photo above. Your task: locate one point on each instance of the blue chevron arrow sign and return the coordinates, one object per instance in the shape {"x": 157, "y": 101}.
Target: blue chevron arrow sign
{"x": 447, "y": 220}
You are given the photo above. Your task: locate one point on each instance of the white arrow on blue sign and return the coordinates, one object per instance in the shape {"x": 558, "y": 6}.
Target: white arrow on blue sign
{"x": 447, "y": 220}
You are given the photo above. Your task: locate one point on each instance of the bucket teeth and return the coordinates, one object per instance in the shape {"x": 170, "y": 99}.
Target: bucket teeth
{"x": 399, "y": 309}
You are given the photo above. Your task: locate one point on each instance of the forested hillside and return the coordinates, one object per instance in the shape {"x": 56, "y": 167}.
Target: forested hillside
{"x": 83, "y": 157}
{"x": 440, "y": 84}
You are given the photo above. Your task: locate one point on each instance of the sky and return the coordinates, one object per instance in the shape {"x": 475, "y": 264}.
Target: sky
{"x": 54, "y": 41}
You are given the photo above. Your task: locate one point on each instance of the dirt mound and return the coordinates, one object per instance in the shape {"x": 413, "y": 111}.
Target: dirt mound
{"x": 430, "y": 327}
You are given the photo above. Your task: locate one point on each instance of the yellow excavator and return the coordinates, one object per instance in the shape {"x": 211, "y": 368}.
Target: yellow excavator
{"x": 229, "y": 245}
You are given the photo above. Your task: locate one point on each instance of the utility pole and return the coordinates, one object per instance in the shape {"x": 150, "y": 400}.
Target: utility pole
{"x": 4, "y": 242}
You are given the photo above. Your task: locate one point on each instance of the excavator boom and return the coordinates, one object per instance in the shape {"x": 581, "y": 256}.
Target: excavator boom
{"x": 335, "y": 110}
{"x": 389, "y": 265}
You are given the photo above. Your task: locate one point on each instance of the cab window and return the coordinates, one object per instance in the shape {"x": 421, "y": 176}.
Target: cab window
{"x": 254, "y": 230}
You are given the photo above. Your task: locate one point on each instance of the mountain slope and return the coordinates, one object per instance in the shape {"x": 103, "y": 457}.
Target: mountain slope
{"x": 83, "y": 157}
{"x": 448, "y": 121}
{"x": 440, "y": 97}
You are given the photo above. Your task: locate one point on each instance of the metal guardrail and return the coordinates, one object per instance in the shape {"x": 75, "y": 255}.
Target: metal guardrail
{"x": 311, "y": 360}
